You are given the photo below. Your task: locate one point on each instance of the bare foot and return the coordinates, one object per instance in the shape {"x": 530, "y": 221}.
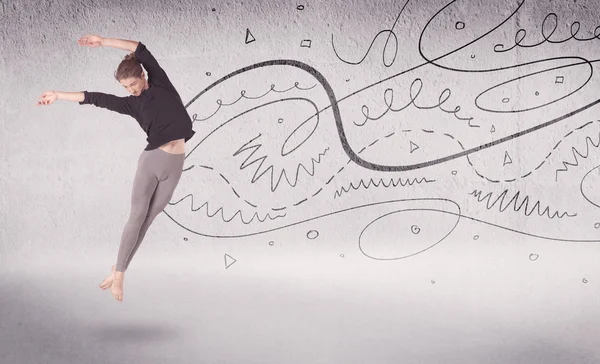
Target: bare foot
{"x": 107, "y": 283}
{"x": 117, "y": 286}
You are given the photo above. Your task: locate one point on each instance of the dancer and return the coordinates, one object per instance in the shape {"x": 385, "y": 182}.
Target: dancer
{"x": 159, "y": 110}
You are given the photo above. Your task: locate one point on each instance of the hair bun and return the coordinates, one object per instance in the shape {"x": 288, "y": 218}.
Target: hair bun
{"x": 130, "y": 56}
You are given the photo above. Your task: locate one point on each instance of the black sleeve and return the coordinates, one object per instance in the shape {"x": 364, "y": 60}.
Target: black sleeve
{"x": 122, "y": 105}
{"x": 156, "y": 75}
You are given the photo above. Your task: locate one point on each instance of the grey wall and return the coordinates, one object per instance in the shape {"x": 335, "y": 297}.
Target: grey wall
{"x": 412, "y": 187}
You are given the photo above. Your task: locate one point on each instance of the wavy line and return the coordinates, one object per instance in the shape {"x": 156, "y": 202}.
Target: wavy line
{"x": 261, "y": 160}
{"x": 513, "y": 202}
{"x": 381, "y": 203}
{"x": 243, "y": 96}
{"x": 371, "y": 182}
{"x": 525, "y": 175}
{"x": 575, "y": 152}
{"x": 220, "y": 209}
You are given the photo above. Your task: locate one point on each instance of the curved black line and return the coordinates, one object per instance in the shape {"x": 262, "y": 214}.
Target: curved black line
{"x": 381, "y": 203}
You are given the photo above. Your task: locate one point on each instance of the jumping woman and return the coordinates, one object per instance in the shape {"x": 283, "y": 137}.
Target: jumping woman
{"x": 156, "y": 105}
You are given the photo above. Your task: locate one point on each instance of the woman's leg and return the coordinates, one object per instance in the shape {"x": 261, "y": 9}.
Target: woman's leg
{"x": 169, "y": 174}
{"x": 144, "y": 186}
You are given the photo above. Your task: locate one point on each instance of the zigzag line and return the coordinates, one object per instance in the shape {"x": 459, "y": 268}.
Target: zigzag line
{"x": 513, "y": 202}
{"x": 256, "y": 147}
{"x": 220, "y": 209}
{"x": 391, "y": 182}
{"x": 577, "y": 153}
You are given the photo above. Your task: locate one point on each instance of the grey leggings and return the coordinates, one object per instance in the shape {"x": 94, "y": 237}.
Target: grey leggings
{"x": 157, "y": 175}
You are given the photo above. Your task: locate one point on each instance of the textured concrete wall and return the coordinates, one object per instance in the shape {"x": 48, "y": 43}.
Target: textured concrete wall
{"x": 444, "y": 154}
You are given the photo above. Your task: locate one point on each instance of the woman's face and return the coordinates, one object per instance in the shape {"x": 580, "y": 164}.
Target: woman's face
{"x": 134, "y": 85}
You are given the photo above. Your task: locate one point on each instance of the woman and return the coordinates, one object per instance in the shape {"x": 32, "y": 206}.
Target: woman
{"x": 158, "y": 109}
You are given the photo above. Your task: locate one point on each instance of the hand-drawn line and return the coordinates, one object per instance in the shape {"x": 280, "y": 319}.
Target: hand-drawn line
{"x": 220, "y": 209}
{"x": 390, "y": 33}
{"x": 243, "y": 96}
{"x": 383, "y": 203}
{"x": 522, "y": 33}
{"x": 513, "y": 201}
{"x": 529, "y": 173}
{"x": 576, "y": 153}
{"x": 596, "y": 225}
{"x": 334, "y": 103}
{"x": 381, "y": 182}
{"x": 255, "y": 147}
{"x": 443, "y": 97}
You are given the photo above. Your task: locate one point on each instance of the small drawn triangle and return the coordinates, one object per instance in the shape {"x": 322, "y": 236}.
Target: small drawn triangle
{"x": 249, "y": 37}
{"x": 413, "y": 147}
{"x": 507, "y": 159}
{"x": 229, "y": 260}
{"x": 493, "y": 129}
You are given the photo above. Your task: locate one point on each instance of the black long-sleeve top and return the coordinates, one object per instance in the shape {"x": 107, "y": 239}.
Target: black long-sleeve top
{"x": 159, "y": 109}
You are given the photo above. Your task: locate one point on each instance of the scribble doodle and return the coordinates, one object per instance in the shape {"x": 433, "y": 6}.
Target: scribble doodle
{"x": 258, "y": 153}
{"x": 221, "y": 212}
{"x": 502, "y": 206}
{"x": 261, "y": 159}
{"x": 522, "y": 33}
{"x": 390, "y": 32}
{"x": 388, "y": 99}
{"x": 530, "y": 172}
{"x": 533, "y": 257}
{"x": 334, "y": 105}
{"x": 575, "y": 152}
{"x": 381, "y": 183}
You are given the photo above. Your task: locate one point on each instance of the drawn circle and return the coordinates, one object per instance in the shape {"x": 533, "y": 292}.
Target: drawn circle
{"x": 472, "y": 56}
{"x": 415, "y": 229}
{"x": 312, "y": 234}
{"x": 454, "y": 172}
{"x": 342, "y": 255}
{"x": 459, "y": 25}
{"x": 280, "y": 120}
{"x": 387, "y": 237}
{"x": 584, "y": 280}
{"x": 505, "y": 100}
{"x": 208, "y": 73}
{"x": 533, "y": 257}
{"x": 185, "y": 239}
{"x": 597, "y": 225}
{"x": 476, "y": 237}
{"x": 271, "y": 243}
{"x": 300, "y": 7}
{"x": 537, "y": 93}
{"x": 486, "y": 101}
{"x": 432, "y": 281}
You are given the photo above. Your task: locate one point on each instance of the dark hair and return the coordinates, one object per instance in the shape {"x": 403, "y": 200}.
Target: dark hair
{"x": 129, "y": 67}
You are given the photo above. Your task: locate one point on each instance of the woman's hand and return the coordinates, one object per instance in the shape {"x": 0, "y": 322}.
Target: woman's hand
{"x": 47, "y": 98}
{"x": 90, "y": 41}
